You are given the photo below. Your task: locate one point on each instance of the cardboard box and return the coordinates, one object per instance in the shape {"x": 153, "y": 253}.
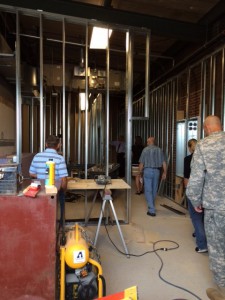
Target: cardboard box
{"x": 179, "y": 189}
{"x": 180, "y": 115}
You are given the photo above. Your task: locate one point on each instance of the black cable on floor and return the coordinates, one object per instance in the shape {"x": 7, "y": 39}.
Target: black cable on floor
{"x": 155, "y": 250}
{"x": 147, "y": 252}
{"x": 164, "y": 280}
{"x": 176, "y": 246}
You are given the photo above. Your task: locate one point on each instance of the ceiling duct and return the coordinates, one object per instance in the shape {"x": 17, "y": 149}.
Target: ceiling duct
{"x": 80, "y": 71}
{"x": 97, "y": 79}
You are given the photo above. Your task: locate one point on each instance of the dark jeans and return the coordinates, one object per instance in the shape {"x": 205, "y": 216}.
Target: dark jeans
{"x": 61, "y": 195}
{"x": 121, "y": 161}
{"x": 198, "y": 223}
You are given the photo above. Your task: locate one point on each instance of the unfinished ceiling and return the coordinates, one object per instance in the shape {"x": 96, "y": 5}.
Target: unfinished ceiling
{"x": 176, "y": 27}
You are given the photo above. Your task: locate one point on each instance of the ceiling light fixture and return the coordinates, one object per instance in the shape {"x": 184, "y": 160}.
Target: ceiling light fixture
{"x": 99, "y": 38}
{"x": 82, "y": 98}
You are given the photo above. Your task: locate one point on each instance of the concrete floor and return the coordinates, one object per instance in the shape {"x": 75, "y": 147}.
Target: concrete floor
{"x": 162, "y": 275}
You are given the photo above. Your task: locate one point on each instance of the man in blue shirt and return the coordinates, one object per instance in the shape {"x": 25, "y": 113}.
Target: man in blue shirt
{"x": 150, "y": 162}
{"x": 38, "y": 167}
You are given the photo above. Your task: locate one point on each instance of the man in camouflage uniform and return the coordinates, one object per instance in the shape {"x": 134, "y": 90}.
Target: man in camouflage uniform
{"x": 206, "y": 189}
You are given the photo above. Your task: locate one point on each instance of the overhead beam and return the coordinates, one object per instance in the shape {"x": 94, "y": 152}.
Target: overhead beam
{"x": 216, "y": 12}
{"x": 159, "y": 26}
{"x": 107, "y": 3}
{"x": 212, "y": 16}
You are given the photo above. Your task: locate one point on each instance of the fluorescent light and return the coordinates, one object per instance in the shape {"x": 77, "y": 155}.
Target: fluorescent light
{"x": 82, "y": 98}
{"x": 99, "y": 38}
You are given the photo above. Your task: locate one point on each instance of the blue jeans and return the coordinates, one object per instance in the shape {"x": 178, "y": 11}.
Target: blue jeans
{"x": 151, "y": 180}
{"x": 198, "y": 223}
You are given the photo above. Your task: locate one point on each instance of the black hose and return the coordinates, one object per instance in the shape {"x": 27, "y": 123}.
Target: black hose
{"x": 103, "y": 285}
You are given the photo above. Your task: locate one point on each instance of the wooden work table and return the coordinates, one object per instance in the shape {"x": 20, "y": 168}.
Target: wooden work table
{"x": 90, "y": 184}
{"x": 77, "y": 184}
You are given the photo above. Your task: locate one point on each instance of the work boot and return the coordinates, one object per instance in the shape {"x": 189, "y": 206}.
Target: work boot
{"x": 214, "y": 294}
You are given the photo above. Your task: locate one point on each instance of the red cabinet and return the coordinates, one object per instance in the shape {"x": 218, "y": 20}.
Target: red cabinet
{"x": 28, "y": 247}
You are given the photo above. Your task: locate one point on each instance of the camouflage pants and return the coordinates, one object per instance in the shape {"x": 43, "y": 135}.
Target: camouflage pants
{"x": 215, "y": 234}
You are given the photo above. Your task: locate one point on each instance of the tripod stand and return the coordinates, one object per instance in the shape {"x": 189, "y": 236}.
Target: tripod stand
{"x": 108, "y": 199}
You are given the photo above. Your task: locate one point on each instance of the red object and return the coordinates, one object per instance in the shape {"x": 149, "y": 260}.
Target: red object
{"x": 28, "y": 247}
{"x": 31, "y": 191}
{"x": 117, "y": 296}
{"x": 129, "y": 293}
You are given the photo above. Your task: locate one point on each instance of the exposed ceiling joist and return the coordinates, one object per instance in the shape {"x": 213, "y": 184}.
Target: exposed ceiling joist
{"x": 159, "y": 26}
{"x": 217, "y": 11}
{"x": 107, "y": 3}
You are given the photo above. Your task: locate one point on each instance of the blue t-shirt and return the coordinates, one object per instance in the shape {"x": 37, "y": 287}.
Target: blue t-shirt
{"x": 38, "y": 165}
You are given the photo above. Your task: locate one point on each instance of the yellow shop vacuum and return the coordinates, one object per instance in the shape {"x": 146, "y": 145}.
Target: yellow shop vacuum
{"x": 80, "y": 270}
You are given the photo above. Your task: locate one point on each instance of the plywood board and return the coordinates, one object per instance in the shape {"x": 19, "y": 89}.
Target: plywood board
{"x": 90, "y": 184}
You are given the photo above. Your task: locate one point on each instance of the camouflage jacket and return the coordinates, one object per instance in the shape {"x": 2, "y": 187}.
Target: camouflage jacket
{"x": 206, "y": 185}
